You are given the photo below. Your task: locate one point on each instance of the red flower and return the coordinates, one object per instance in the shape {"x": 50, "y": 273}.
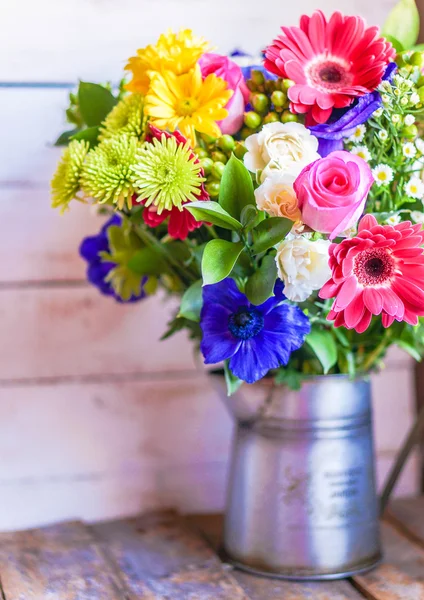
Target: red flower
{"x": 181, "y": 222}
{"x": 331, "y": 62}
{"x": 380, "y": 271}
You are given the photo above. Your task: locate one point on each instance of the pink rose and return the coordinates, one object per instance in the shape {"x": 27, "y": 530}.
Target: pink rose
{"x": 332, "y": 192}
{"x": 225, "y": 68}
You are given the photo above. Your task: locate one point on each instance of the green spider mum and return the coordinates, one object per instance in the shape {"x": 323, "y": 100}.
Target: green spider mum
{"x": 166, "y": 174}
{"x": 127, "y": 117}
{"x": 66, "y": 182}
{"x": 107, "y": 173}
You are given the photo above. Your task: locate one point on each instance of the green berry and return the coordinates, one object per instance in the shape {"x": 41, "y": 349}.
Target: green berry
{"x": 278, "y": 98}
{"x": 251, "y": 85}
{"x": 252, "y": 120}
{"x": 271, "y": 117}
{"x": 240, "y": 150}
{"x": 218, "y": 170}
{"x": 416, "y": 59}
{"x": 270, "y": 86}
{"x": 257, "y": 77}
{"x": 410, "y": 132}
{"x": 260, "y": 103}
{"x": 287, "y": 83}
{"x": 226, "y": 143}
{"x": 208, "y": 139}
{"x": 201, "y": 152}
{"x": 420, "y": 81}
{"x": 245, "y": 133}
{"x": 421, "y": 93}
{"x": 218, "y": 156}
{"x": 206, "y": 164}
{"x": 212, "y": 187}
{"x": 288, "y": 117}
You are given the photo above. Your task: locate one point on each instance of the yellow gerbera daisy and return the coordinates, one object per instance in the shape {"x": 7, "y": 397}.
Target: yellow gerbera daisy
{"x": 188, "y": 103}
{"x": 176, "y": 52}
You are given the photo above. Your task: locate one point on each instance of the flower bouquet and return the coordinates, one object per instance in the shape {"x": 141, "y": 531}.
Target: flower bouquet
{"x": 281, "y": 203}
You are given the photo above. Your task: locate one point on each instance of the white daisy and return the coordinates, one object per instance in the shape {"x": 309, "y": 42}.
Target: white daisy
{"x": 414, "y": 98}
{"x": 383, "y": 135}
{"x": 393, "y": 220}
{"x": 383, "y": 174}
{"x": 404, "y": 101}
{"x": 362, "y": 152}
{"x": 385, "y": 98}
{"x": 419, "y": 142}
{"x": 414, "y": 188}
{"x": 409, "y": 150}
{"x": 358, "y": 135}
{"x": 409, "y": 120}
{"x": 396, "y": 119}
{"x": 377, "y": 113}
{"x": 417, "y": 216}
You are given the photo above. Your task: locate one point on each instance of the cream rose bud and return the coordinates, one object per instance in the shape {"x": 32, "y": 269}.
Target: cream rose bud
{"x": 303, "y": 266}
{"x": 276, "y": 197}
{"x": 284, "y": 147}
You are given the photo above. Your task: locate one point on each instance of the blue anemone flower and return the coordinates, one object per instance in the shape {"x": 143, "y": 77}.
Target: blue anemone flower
{"x": 97, "y": 269}
{"x": 344, "y": 121}
{"x": 254, "y": 338}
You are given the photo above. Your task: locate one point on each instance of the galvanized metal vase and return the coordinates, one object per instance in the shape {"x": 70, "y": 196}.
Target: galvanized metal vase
{"x": 301, "y": 493}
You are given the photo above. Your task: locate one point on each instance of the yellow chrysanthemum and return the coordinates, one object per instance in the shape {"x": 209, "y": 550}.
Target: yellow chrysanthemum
{"x": 65, "y": 183}
{"x": 176, "y": 52}
{"x": 188, "y": 103}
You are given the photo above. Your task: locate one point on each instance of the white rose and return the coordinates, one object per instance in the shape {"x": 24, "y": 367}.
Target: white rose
{"x": 303, "y": 266}
{"x": 285, "y": 147}
{"x": 276, "y": 197}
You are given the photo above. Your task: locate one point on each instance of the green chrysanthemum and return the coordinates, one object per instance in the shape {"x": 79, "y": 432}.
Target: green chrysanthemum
{"x": 66, "y": 183}
{"x": 107, "y": 174}
{"x": 126, "y": 117}
{"x": 166, "y": 174}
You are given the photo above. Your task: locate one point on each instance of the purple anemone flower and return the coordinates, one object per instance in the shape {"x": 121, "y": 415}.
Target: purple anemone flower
{"x": 343, "y": 122}
{"x": 253, "y": 338}
{"x": 97, "y": 269}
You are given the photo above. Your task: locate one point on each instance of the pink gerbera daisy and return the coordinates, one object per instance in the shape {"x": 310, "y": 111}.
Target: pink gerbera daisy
{"x": 380, "y": 271}
{"x": 331, "y": 62}
{"x": 181, "y": 222}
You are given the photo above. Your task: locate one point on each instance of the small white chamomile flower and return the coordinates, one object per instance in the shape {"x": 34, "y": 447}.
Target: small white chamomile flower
{"x": 404, "y": 101}
{"x": 393, "y": 220}
{"x": 396, "y": 119}
{"x": 414, "y": 188}
{"x": 385, "y": 98}
{"x": 383, "y": 135}
{"x": 383, "y": 174}
{"x": 409, "y": 120}
{"x": 409, "y": 150}
{"x": 417, "y": 216}
{"x": 414, "y": 98}
{"x": 419, "y": 142}
{"x": 377, "y": 113}
{"x": 362, "y": 152}
{"x": 358, "y": 135}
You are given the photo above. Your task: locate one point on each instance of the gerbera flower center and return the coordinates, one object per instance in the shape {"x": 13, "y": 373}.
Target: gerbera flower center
{"x": 374, "y": 267}
{"x": 329, "y": 74}
{"x": 246, "y": 323}
{"x": 188, "y": 106}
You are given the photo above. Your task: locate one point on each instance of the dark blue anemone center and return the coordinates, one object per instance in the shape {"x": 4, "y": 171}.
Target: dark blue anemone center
{"x": 246, "y": 323}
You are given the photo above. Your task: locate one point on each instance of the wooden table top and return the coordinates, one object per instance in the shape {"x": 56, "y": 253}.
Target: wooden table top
{"x": 163, "y": 556}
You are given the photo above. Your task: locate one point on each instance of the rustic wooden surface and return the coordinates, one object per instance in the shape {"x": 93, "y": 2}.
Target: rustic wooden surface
{"x": 163, "y": 556}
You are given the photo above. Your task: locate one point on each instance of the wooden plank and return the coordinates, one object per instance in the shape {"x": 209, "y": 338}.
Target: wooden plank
{"x": 160, "y": 552}
{"x": 55, "y": 332}
{"x": 260, "y": 588}
{"x": 401, "y": 576}
{"x": 102, "y": 57}
{"x": 407, "y": 515}
{"x": 63, "y": 563}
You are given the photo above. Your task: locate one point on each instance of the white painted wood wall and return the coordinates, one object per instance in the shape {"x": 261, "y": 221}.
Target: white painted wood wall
{"x": 97, "y": 417}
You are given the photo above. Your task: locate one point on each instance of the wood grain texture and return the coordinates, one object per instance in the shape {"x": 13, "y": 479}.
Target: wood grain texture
{"x": 407, "y": 515}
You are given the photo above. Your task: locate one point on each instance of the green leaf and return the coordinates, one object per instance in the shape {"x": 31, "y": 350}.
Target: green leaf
{"x": 411, "y": 350}
{"x": 260, "y": 285}
{"x": 219, "y": 259}
{"x": 65, "y": 137}
{"x": 289, "y": 377}
{"x": 395, "y": 43}
{"x": 95, "y": 103}
{"x": 233, "y": 382}
{"x": 212, "y": 212}
{"x": 236, "y": 188}
{"x": 322, "y": 343}
{"x": 269, "y": 232}
{"x": 403, "y": 23}
{"x": 417, "y": 48}
{"x": 147, "y": 261}
{"x": 91, "y": 135}
{"x": 191, "y": 302}
{"x": 251, "y": 217}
